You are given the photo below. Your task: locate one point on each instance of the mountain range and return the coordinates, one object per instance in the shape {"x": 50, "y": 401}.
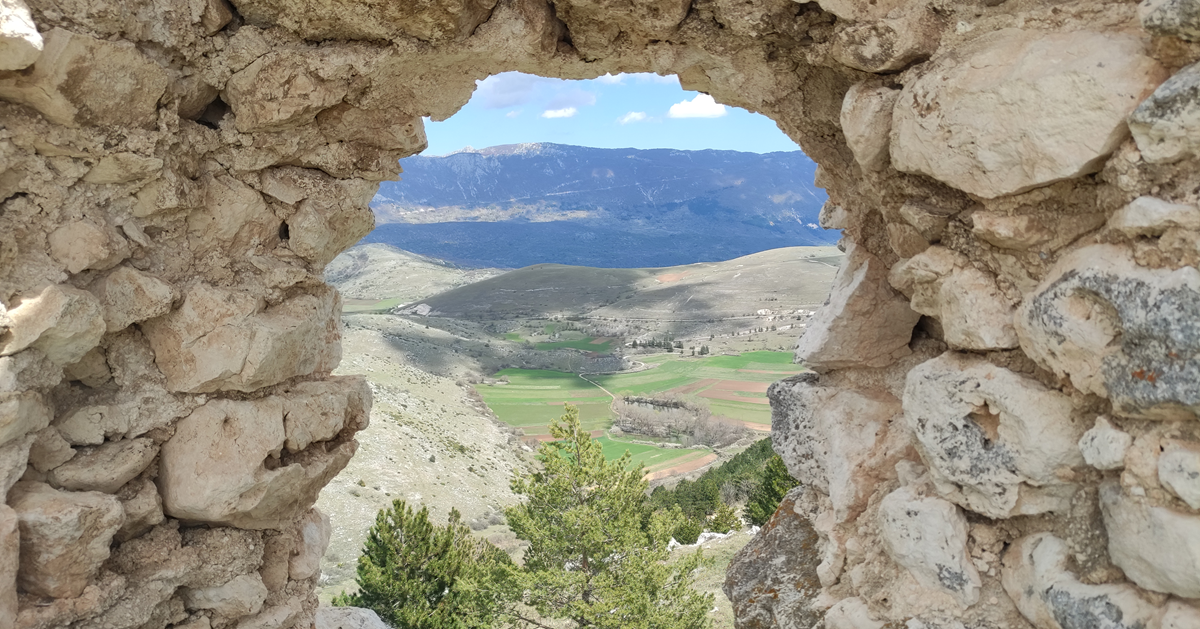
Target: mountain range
{"x": 516, "y": 205}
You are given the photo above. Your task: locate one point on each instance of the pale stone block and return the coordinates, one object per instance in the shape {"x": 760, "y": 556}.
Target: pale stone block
{"x": 131, "y": 296}
{"x": 63, "y": 322}
{"x": 967, "y": 121}
{"x": 928, "y": 537}
{"x": 1148, "y": 216}
{"x": 315, "y": 531}
{"x": 1159, "y": 549}
{"x": 1103, "y": 446}
{"x": 20, "y": 41}
{"x": 1179, "y": 471}
{"x": 1166, "y": 126}
{"x": 65, "y": 537}
{"x": 242, "y": 596}
{"x": 104, "y": 468}
{"x": 867, "y": 123}
{"x": 995, "y": 442}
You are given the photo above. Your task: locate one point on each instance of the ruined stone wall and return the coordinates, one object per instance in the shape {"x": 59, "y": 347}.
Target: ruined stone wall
{"x": 1002, "y": 427}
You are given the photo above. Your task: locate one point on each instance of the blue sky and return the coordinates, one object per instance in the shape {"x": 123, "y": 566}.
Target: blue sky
{"x": 625, "y": 111}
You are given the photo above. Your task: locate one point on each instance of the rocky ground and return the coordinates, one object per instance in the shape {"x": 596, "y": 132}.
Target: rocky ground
{"x": 429, "y": 443}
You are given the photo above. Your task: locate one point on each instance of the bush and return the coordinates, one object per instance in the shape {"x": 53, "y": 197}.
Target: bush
{"x": 416, "y": 575}
{"x": 688, "y": 531}
{"x": 725, "y": 520}
{"x": 765, "y": 500}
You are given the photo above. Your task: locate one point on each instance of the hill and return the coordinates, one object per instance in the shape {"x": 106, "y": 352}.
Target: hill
{"x": 378, "y": 276}
{"x": 777, "y": 281}
{"x": 518, "y": 205}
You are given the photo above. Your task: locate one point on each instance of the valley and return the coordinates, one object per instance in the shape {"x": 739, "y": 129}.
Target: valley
{"x": 468, "y": 366}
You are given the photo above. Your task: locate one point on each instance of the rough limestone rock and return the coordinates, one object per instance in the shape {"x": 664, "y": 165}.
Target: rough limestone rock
{"x": 62, "y": 322}
{"x": 143, "y": 508}
{"x": 887, "y": 45}
{"x": 130, "y": 296}
{"x": 20, "y": 42}
{"x": 1177, "y": 18}
{"x": 1148, "y": 216}
{"x": 996, "y": 442}
{"x": 81, "y": 245}
{"x": 1179, "y": 615}
{"x": 315, "y": 531}
{"x": 867, "y": 122}
{"x": 844, "y": 433}
{"x": 279, "y": 91}
{"x": 242, "y": 596}
{"x": 860, "y": 293}
{"x": 20, "y": 414}
{"x": 49, "y": 450}
{"x": 1103, "y": 446}
{"x": 348, "y": 618}
{"x": 967, "y": 302}
{"x": 105, "y": 468}
{"x": 928, "y": 537}
{"x": 1179, "y": 471}
{"x": 64, "y": 537}
{"x": 1035, "y": 576}
{"x": 1159, "y": 549}
{"x": 318, "y": 411}
{"x": 1165, "y": 124}
{"x": 851, "y": 613}
{"x": 966, "y": 121}
{"x": 10, "y": 549}
{"x": 223, "y": 339}
{"x": 80, "y": 80}
{"x": 14, "y": 459}
{"x": 1119, "y": 330}
{"x": 247, "y": 484}
{"x": 772, "y": 580}
{"x": 123, "y": 168}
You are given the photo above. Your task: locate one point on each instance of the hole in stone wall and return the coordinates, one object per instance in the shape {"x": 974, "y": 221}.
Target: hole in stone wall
{"x": 213, "y": 114}
{"x": 283, "y": 231}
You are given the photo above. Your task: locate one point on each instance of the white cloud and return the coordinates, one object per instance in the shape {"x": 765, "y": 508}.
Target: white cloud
{"x": 566, "y": 112}
{"x": 633, "y": 116}
{"x": 508, "y": 89}
{"x": 812, "y": 226}
{"x": 702, "y": 106}
{"x": 650, "y": 77}
{"x": 609, "y": 79}
{"x": 513, "y": 114}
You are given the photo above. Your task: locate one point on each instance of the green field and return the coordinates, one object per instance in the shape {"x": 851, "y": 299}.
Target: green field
{"x": 654, "y": 458}
{"x": 584, "y": 344}
{"x": 533, "y": 398}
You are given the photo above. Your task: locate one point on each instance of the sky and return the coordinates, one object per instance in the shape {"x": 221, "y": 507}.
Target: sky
{"x": 641, "y": 111}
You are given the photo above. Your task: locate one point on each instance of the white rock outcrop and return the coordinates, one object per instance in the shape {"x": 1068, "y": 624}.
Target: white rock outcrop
{"x": 1103, "y": 446}
{"x": 867, "y": 122}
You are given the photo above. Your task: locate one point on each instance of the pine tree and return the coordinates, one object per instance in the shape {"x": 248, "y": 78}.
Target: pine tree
{"x": 725, "y": 520}
{"x": 416, "y": 575}
{"x": 766, "y": 497}
{"x": 597, "y": 551}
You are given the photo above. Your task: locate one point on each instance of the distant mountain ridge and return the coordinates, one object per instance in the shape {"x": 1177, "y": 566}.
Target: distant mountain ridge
{"x": 522, "y": 204}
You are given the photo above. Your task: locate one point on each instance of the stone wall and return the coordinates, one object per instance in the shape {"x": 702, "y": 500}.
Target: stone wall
{"x": 1002, "y": 427}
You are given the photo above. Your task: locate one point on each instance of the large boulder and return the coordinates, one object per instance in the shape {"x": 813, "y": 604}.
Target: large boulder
{"x": 65, "y": 537}
{"x": 996, "y": 442}
{"x": 1119, "y": 330}
{"x": 772, "y": 581}
{"x": 968, "y": 120}
{"x": 131, "y": 296}
{"x": 223, "y": 339}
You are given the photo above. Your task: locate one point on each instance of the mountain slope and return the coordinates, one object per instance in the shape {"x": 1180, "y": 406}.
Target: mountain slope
{"x": 516, "y": 205}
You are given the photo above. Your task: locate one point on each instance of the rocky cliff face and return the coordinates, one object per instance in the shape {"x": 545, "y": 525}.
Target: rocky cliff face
{"x": 1002, "y": 427}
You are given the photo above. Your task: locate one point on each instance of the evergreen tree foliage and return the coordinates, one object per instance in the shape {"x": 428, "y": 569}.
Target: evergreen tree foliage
{"x": 688, "y": 531}
{"x": 725, "y": 520}
{"x": 597, "y": 550}
{"x": 733, "y": 480}
{"x": 776, "y": 482}
{"x": 416, "y": 575}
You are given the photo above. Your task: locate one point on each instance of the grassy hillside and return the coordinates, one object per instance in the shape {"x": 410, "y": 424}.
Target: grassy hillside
{"x": 377, "y": 277}
{"x": 779, "y": 279}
